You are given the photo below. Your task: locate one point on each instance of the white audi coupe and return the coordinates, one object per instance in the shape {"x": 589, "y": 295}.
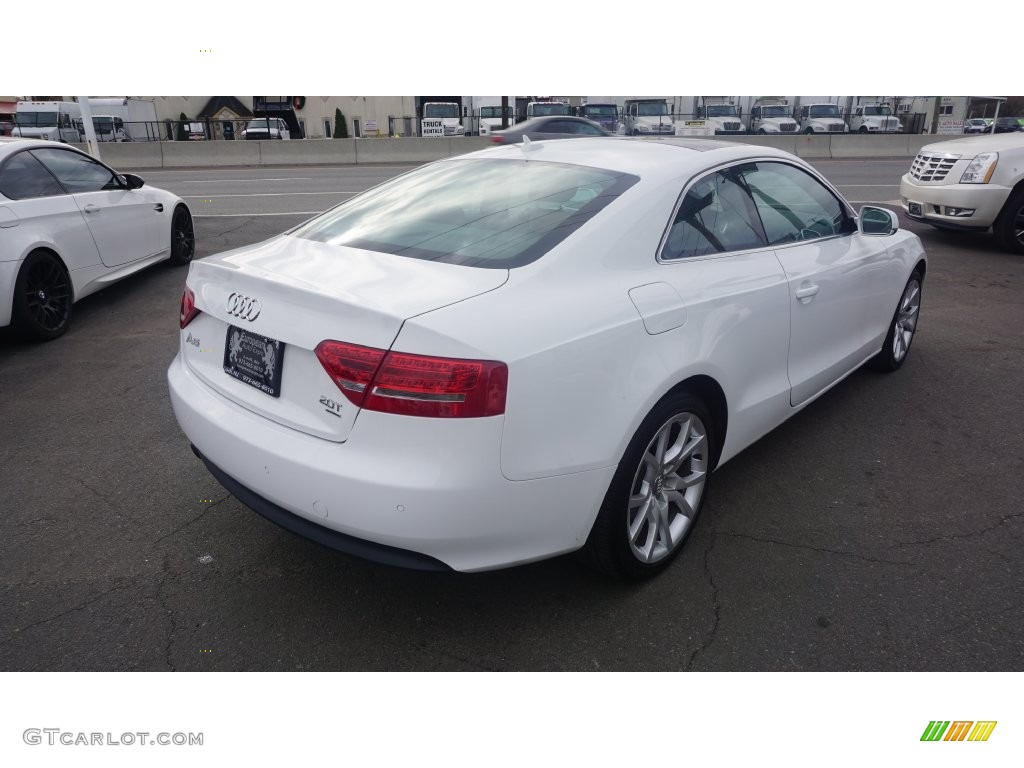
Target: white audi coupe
{"x": 536, "y": 349}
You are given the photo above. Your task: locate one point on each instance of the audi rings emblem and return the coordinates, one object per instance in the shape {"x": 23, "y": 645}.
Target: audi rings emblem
{"x": 243, "y": 307}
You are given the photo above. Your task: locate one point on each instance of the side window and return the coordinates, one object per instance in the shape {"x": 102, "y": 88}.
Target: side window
{"x": 589, "y": 130}
{"x": 24, "y": 177}
{"x": 76, "y": 172}
{"x": 716, "y": 216}
{"x": 793, "y": 205}
{"x": 560, "y": 126}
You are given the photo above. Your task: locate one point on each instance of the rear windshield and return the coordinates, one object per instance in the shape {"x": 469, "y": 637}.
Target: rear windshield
{"x": 480, "y": 213}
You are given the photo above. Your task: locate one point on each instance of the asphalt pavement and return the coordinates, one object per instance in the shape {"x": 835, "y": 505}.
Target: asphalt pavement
{"x": 879, "y": 529}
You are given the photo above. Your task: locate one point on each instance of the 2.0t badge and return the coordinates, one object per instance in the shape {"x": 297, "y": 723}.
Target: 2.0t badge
{"x": 244, "y": 307}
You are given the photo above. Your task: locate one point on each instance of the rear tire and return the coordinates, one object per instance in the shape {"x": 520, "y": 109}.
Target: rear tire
{"x": 1009, "y": 227}
{"x": 902, "y": 328}
{"x": 43, "y": 297}
{"x": 657, "y": 491}
{"x": 183, "y": 237}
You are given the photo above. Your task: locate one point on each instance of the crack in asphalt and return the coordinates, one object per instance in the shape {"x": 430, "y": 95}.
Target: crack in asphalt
{"x": 162, "y": 601}
{"x": 821, "y": 550}
{"x": 190, "y": 521}
{"x": 63, "y": 613}
{"x": 959, "y": 536}
{"x": 714, "y": 604}
{"x": 109, "y": 501}
{"x": 101, "y": 595}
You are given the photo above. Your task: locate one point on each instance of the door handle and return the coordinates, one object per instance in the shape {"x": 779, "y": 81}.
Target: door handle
{"x": 90, "y": 208}
{"x": 805, "y": 294}
{"x": 158, "y": 207}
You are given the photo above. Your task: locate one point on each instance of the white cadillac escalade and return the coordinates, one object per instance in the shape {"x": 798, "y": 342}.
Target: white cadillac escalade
{"x": 970, "y": 184}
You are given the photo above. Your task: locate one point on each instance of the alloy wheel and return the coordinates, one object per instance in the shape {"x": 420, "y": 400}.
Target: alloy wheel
{"x": 47, "y": 295}
{"x": 183, "y": 239}
{"x": 906, "y": 320}
{"x": 667, "y": 488}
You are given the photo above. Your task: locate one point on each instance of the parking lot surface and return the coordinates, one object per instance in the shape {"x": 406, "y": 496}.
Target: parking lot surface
{"x": 879, "y": 529}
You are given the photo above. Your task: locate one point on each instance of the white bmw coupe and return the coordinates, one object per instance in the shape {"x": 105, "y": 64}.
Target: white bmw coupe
{"x": 536, "y": 349}
{"x": 69, "y": 226}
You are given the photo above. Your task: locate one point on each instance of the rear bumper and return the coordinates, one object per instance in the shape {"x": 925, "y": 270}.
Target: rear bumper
{"x": 378, "y": 553}
{"x": 431, "y": 487}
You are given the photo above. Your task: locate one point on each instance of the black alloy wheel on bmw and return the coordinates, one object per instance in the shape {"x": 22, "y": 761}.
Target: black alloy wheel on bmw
{"x": 42, "y": 297}
{"x": 183, "y": 237}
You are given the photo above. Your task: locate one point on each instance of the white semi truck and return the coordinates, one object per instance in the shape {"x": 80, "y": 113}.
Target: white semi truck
{"x": 647, "y": 117}
{"x": 545, "y": 108}
{"x": 772, "y": 115}
{"x": 440, "y": 119}
{"x": 874, "y": 118}
{"x": 821, "y": 118}
{"x": 721, "y": 114}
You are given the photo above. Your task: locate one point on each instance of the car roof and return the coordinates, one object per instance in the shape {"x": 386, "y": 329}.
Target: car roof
{"x": 10, "y": 144}
{"x": 648, "y": 158}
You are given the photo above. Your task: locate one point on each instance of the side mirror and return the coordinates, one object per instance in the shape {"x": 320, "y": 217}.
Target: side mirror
{"x": 877, "y": 221}
{"x": 132, "y": 181}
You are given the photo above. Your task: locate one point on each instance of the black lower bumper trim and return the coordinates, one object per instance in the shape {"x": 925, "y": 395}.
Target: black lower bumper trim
{"x": 943, "y": 224}
{"x": 350, "y": 545}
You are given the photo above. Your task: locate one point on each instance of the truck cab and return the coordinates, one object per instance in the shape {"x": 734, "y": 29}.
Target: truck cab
{"x": 52, "y": 120}
{"x": 442, "y": 118}
{"x": 490, "y": 118}
{"x": 874, "y": 118}
{"x": 821, "y": 118}
{"x": 772, "y": 117}
{"x": 605, "y": 115}
{"x": 647, "y": 117}
{"x": 546, "y": 108}
{"x": 109, "y": 128}
{"x": 723, "y": 117}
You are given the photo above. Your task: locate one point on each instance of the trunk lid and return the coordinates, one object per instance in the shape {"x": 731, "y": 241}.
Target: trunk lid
{"x": 299, "y": 292}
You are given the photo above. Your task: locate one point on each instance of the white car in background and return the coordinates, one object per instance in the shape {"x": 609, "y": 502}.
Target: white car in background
{"x": 534, "y": 349}
{"x": 69, "y": 226}
{"x": 970, "y": 184}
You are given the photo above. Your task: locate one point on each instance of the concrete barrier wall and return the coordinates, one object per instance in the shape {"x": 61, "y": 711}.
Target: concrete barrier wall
{"x": 197, "y": 154}
{"x": 309, "y": 152}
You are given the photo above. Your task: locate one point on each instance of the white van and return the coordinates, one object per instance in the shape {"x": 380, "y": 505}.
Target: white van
{"x": 52, "y": 120}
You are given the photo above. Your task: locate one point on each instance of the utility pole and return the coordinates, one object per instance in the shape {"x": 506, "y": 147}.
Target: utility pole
{"x": 91, "y": 145}
{"x": 504, "y": 112}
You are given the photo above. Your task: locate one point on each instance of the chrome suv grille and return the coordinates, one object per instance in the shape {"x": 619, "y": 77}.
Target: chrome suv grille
{"x": 732, "y": 126}
{"x": 787, "y": 127}
{"x": 929, "y": 166}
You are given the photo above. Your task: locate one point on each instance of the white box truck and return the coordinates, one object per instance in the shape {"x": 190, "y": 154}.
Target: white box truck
{"x": 138, "y": 118}
{"x": 52, "y": 120}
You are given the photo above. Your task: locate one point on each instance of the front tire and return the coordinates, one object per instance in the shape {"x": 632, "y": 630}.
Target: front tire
{"x": 1009, "y": 227}
{"x": 902, "y": 328}
{"x": 862, "y": 129}
{"x": 657, "y": 491}
{"x": 183, "y": 237}
{"x": 809, "y": 132}
{"x": 43, "y": 297}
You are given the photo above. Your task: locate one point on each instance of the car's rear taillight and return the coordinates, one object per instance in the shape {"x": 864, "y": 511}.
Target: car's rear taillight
{"x": 495, "y": 139}
{"x": 350, "y": 366}
{"x": 188, "y": 307}
{"x": 415, "y": 385}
